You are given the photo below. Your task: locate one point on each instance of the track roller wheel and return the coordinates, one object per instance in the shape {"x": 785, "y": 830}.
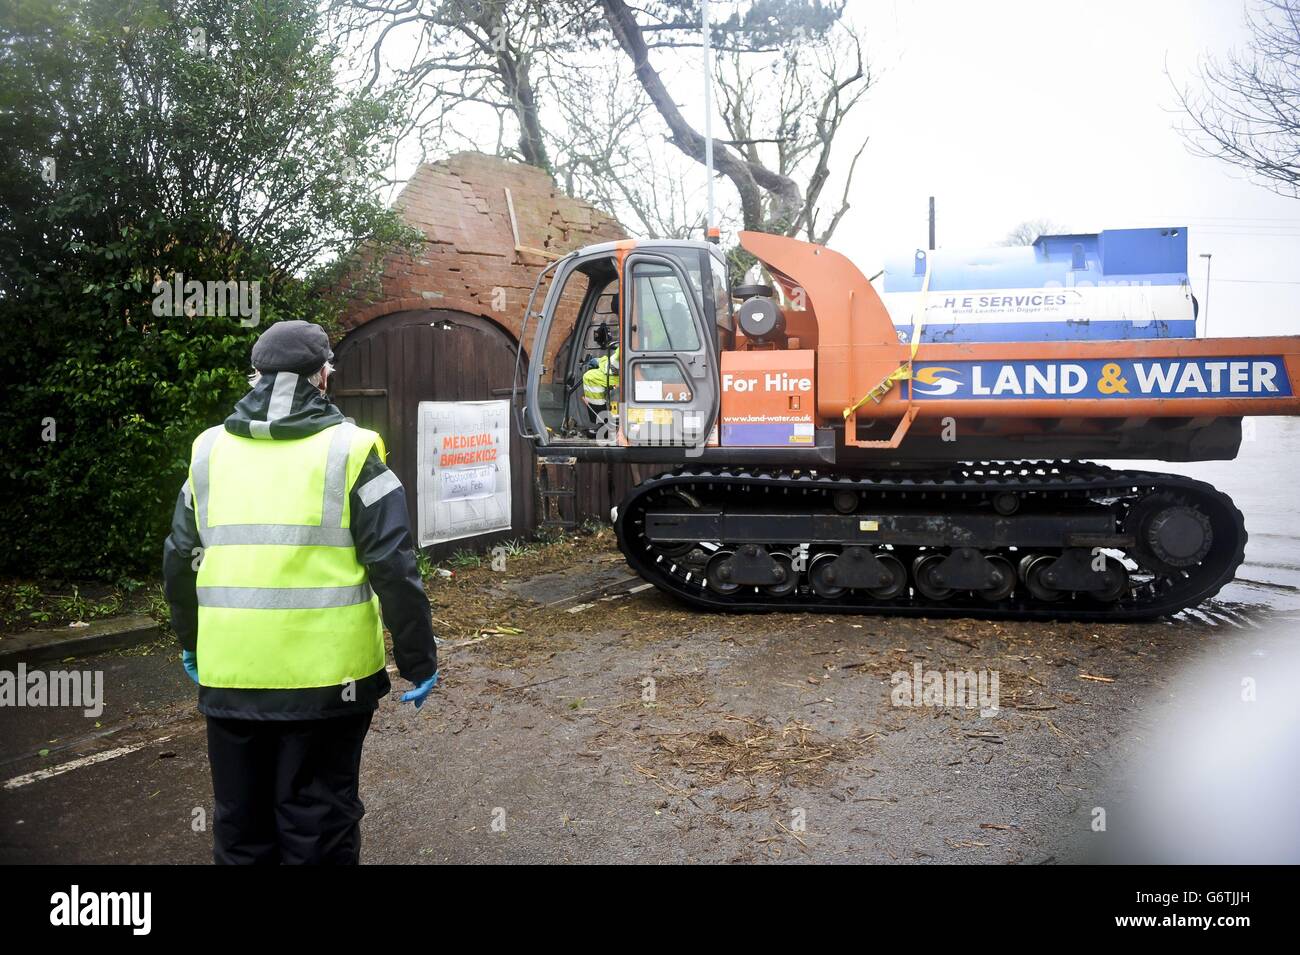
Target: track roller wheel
{"x": 716, "y": 574}
{"x": 1116, "y": 582}
{"x": 1001, "y": 590}
{"x": 1006, "y": 503}
{"x": 1031, "y": 572}
{"x": 822, "y": 578}
{"x": 846, "y": 502}
{"x": 923, "y": 575}
{"x": 791, "y": 582}
{"x": 897, "y": 585}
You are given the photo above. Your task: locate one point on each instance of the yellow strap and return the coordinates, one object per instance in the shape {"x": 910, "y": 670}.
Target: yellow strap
{"x": 904, "y": 370}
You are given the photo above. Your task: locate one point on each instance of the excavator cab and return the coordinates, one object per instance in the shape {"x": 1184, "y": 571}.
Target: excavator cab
{"x": 662, "y": 312}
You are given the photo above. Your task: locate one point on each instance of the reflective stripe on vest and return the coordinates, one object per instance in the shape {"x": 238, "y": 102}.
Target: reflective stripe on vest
{"x": 600, "y": 384}
{"x": 377, "y": 487}
{"x": 284, "y": 598}
{"x": 283, "y": 601}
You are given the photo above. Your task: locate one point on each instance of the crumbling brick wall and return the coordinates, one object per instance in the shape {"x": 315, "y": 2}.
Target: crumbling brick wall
{"x": 460, "y": 206}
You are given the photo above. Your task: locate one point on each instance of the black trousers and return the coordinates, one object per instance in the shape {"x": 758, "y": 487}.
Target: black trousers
{"x": 286, "y": 790}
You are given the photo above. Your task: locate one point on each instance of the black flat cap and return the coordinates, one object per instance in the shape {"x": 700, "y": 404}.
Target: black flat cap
{"x": 296, "y": 346}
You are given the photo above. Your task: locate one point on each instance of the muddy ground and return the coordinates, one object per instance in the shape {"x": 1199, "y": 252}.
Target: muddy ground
{"x": 619, "y": 726}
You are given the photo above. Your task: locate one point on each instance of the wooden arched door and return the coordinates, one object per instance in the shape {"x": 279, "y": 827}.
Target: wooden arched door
{"x": 386, "y": 367}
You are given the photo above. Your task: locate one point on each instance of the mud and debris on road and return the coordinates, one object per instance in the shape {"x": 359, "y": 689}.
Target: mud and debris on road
{"x": 586, "y": 717}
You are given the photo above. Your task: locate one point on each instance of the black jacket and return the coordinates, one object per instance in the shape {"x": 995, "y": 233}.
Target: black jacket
{"x": 382, "y": 536}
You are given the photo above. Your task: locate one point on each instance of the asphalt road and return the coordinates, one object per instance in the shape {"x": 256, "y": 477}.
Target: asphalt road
{"x": 770, "y": 738}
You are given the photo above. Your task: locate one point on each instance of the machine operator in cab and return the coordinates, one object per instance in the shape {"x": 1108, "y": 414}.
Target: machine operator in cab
{"x": 600, "y": 380}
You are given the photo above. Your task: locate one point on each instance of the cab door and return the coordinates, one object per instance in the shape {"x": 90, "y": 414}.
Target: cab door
{"x": 669, "y": 373}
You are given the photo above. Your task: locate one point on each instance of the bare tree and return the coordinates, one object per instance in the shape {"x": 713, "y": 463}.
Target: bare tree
{"x": 771, "y": 198}
{"x": 790, "y": 110}
{"x": 1247, "y": 111}
{"x": 610, "y": 150}
{"x": 1026, "y": 232}
{"x": 459, "y": 61}
{"x": 567, "y": 85}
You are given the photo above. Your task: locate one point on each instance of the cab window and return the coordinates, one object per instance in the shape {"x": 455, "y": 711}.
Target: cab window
{"x": 654, "y": 381}
{"x": 661, "y": 311}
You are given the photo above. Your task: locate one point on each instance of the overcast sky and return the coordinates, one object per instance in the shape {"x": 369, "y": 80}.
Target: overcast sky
{"x": 1011, "y": 110}
{"x": 1025, "y": 109}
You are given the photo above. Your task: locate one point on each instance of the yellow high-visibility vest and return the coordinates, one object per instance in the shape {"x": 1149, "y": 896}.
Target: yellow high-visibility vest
{"x": 283, "y": 601}
{"x": 600, "y": 384}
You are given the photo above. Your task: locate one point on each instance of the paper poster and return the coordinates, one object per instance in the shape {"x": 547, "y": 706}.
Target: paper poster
{"x": 464, "y": 484}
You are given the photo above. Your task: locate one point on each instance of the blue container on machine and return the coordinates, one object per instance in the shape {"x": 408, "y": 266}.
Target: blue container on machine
{"x": 1114, "y": 284}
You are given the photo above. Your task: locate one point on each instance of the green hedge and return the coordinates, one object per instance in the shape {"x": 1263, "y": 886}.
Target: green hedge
{"x": 231, "y": 159}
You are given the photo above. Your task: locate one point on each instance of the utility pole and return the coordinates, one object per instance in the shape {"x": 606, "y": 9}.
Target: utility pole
{"x": 709, "y": 222}
{"x": 1207, "y": 256}
{"x": 932, "y": 223}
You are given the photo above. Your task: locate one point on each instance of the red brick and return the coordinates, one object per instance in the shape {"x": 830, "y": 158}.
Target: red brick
{"x": 460, "y": 206}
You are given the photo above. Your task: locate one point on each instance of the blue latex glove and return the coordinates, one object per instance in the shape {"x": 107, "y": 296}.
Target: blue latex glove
{"x": 421, "y": 692}
{"x": 190, "y": 660}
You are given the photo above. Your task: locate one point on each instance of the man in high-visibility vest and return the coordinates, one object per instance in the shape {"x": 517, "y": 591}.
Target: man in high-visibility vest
{"x": 288, "y": 536}
{"x": 600, "y": 384}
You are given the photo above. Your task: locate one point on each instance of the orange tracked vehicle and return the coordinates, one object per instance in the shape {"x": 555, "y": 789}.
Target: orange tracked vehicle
{"x": 824, "y": 464}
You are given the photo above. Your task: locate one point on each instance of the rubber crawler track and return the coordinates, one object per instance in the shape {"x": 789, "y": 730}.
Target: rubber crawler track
{"x": 1059, "y": 484}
